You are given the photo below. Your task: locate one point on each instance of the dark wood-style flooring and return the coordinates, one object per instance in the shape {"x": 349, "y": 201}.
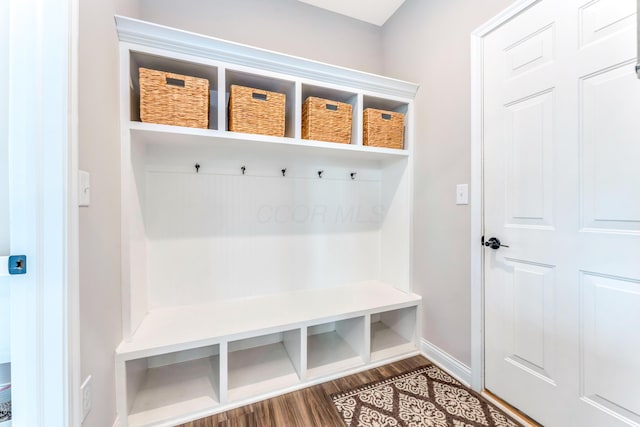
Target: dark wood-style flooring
{"x": 308, "y": 407}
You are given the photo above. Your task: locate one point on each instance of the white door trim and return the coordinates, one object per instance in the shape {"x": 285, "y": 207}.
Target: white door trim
{"x": 74, "y": 403}
{"x": 477, "y": 209}
{"x": 43, "y": 152}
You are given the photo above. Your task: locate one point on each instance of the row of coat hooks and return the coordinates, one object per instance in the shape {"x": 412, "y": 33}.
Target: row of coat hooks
{"x": 243, "y": 169}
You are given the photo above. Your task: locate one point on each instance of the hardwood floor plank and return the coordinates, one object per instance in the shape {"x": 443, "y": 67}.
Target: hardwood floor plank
{"x": 308, "y": 407}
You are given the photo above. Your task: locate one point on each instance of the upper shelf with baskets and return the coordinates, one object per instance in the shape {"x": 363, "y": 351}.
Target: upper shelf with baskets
{"x": 230, "y": 91}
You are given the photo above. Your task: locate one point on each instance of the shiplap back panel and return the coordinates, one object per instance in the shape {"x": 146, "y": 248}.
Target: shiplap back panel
{"x": 218, "y": 234}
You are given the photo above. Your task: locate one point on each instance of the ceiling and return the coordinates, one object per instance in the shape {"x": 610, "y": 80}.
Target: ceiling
{"x": 373, "y": 11}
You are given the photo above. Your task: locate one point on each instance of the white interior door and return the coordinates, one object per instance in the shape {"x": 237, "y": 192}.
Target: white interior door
{"x": 562, "y": 190}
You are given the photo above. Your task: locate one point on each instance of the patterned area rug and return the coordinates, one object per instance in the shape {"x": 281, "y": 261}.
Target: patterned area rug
{"x": 5, "y": 411}
{"x": 424, "y": 397}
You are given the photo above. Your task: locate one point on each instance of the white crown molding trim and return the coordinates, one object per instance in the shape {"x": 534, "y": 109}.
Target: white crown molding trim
{"x": 447, "y": 362}
{"x": 503, "y": 17}
{"x": 175, "y": 40}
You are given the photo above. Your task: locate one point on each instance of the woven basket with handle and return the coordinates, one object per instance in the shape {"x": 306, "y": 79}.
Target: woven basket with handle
{"x": 326, "y": 120}
{"x": 383, "y": 128}
{"x": 256, "y": 111}
{"x": 173, "y": 99}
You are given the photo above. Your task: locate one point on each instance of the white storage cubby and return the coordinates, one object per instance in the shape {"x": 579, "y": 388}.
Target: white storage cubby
{"x": 164, "y": 387}
{"x": 335, "y": 346}
{"x": 263, "y": 364}
{"x": 171, "y": 65}
{"x": 271, "y": 253}
{"x": 338, "y": 95}
{"x": 393, "y": 332}
{"x": 256, "y": 81}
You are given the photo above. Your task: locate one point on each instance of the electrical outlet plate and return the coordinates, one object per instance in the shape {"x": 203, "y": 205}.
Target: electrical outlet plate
{"x": 85, "y": 392}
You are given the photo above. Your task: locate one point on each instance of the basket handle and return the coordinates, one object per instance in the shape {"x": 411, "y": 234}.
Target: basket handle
{"x": 259, "y": 96}
{"x": 385, "y": 116}
{"x": 331, "y": 107}
{"x": 172, "y": 81}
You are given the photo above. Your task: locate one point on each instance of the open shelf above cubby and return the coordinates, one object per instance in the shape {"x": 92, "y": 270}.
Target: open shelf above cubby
{"x": 384, "y": 104}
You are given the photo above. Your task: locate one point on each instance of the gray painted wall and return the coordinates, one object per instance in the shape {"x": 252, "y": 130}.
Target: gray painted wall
{"x": 429, "y": 42}
{"x": 99, "y": 153}
{"x": 283, "y": 25}
{"x": 286, "y": 26}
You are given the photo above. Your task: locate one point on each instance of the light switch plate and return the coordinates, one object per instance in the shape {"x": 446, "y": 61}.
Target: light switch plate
{"x": 84, "y": 188}
{"x": 462, "y": 194}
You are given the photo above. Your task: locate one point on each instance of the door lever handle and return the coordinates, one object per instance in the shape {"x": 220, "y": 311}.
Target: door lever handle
{"x": 494, "y": 243}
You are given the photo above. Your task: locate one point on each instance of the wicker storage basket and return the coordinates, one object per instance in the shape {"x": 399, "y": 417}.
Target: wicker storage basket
{"x": 256, "y": 111}
{"x": 383, "y": 128}
{"x": 326, "y": 120}
{"x": 173, "y": 99}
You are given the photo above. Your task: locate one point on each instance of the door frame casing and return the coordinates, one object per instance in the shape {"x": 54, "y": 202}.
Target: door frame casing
{"x": 43, "y": 155}
{"x": 477, "y": 185}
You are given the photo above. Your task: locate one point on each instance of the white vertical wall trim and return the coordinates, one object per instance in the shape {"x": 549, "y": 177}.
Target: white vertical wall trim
{"x": 444, "y": 360}
{"x": 41, "y": 135}
{"x": 5, "y": 340}
{"x": 477, "y": 209}
{"x": 477, "y": 228}
{"x": 73, "y": 221}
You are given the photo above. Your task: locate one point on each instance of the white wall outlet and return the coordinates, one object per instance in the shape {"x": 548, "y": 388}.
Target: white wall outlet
{"x": 85, "y": 391}
{"x": 84, "y": 188}
{"x": 462, "y": 194}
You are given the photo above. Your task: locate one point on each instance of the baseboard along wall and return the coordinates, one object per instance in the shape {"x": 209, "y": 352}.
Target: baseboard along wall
{"x": 447, "y": 362}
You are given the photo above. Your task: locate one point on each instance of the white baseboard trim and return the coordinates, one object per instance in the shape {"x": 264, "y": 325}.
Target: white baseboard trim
{"x": 447, "y": 362}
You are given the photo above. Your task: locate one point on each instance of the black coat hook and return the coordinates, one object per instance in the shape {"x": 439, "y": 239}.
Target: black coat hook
{"x": 320, "y": 174}
{"x": 243, "y": 169}
{"x": 284, "y": 171}
{"x": 197, "y": 166}
{"x": 353, "y": 175}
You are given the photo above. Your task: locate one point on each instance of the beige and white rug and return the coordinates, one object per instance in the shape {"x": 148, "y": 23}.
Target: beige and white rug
{"x": 424, "y": 397}
{"x": 5, "y": 411}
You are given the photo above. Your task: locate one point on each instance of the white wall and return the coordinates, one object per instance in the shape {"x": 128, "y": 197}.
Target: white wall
{"x": 99, "y": 153}
{"x": 286, "y": 26}
{"x": 428, "y": 42}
